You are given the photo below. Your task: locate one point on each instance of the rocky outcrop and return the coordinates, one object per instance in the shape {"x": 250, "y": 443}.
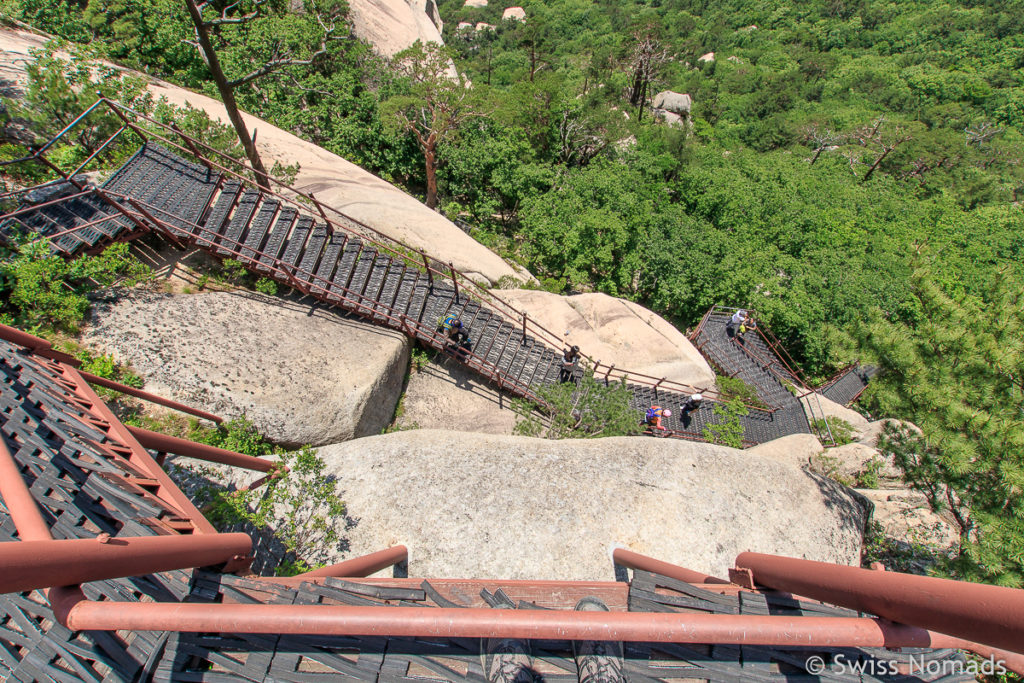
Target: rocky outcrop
{"x": 905, "y": 516}
{"x": 484, "y": 26}
{"x": 514, "y": 14}
{"x": 445, "y": 395}
{"x": 706, "y": 57}
{"x": 301, "y": 375}
{"x": 617, "y": 332}
{"x": 475, "y": 3}
{"x": 675, "y": 102}
{"x": 390, "y": 26}
{"x": 513, "y": 507}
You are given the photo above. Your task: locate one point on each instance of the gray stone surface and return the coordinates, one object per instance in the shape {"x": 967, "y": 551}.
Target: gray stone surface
{"x": 444, "y": 395}
{"x": 675, "y": 102}
{"x": 302, "y": 376}
{"x": 513, "y": 507}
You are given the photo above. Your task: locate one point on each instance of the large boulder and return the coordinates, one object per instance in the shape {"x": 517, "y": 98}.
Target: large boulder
{"x": 514, "y": 14}
{"x": 390, "y": 26}
{"x": 675, "y": 102}
{"x": 512, "y": 507}
{"x": 618, "y": 332}
{"x": 301, "y": 375}
{"x": 475, "y": 3}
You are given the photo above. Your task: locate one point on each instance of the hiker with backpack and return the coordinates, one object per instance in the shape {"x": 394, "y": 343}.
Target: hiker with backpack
{"x": 654, "y": 416}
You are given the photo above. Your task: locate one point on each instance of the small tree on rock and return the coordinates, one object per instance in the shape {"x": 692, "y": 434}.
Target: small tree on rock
{"x": 437, "y": 103}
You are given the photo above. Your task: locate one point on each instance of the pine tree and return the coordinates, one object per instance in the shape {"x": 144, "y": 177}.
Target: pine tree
{"x": 958, "y": 373}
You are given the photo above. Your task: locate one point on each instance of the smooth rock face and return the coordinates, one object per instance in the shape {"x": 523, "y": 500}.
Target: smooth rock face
{"x": 514, "y": 13}
{"x": 390, "y": 26}
{"x": 475, "y": 3}
{"x": 796, "y": 450}
{"x": 616, "y": 332}
{"x": 707, "y": 57}
{"x": 512, "y": 507}
{"x": 444, "y": 395}
{"x": 675, "y": 102}
{"x": 484, "y": 26}
{"x": 301, "y": 377}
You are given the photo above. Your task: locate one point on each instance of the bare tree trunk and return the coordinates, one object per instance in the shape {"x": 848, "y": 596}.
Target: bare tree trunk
{"x": 878, "y": 161}
{"x": 430, "y": 159}
{"x": 227, "y": 94}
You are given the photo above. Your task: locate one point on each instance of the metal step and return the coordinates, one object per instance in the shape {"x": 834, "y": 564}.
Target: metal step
{"x": 278, "y": 234}
{"x": 328, "y": 262}
{"x": 297, "y": 240}
{"x": 232, "y": 233}
{"x": 314, "y": 248}
{"x": 221, "y": 210}
{"x": 259, "y": 227}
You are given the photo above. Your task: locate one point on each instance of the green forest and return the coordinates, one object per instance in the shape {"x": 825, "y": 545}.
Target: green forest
{"x": 851, "y": 169}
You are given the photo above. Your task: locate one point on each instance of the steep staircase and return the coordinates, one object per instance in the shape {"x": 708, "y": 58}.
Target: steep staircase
{"x": 847, "y": 386}
{"x": 158, "y": 191}
{"x": 756, "y": 363}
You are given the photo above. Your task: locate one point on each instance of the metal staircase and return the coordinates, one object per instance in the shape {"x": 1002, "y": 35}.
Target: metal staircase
{"x": 342, "y": 263}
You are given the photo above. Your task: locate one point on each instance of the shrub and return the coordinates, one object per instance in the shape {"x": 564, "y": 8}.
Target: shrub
{"x": 266, "y": 286}
{"x": 841, "y": 430}
{"x": 727, "y": 430}
{"x": 301, "y": 505}
{"x": 585, "y": 411}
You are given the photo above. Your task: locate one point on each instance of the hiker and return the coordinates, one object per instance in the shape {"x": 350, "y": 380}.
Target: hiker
{"x": 458, "y": 337}
{"x": 570, "y": 357}
{"x": 510, "y": 660}
{"x": 735, "y": 321}
{"x": 654, "y": 415}
{"x": 449, "y": 322}
{"x": 747, "y": 325}
{"x": 692, "y": 403}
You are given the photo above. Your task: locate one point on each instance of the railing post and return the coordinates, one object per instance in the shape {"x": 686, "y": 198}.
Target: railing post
{"x": 455, "y": 281}
{"x": 524, "y": 327}
{"x": 610, "y": 368}
{"x": 113, "y": 107}
{"x": 658, "y": 385}
{"x": 426, "y": 264}
{"x": 323, "y": 214}
{"x": 188, "y": 143}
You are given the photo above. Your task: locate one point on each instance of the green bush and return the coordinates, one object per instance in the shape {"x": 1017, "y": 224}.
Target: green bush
{"x": 302, "y": 506}
{"x": 727, "y": 429}
{"x": 42, "y": 290}
{"x": 266, "y": 286}
{"x": 842, "y": 431}
{"x": 585, "y": 411}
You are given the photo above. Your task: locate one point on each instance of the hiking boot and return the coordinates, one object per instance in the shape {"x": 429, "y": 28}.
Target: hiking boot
{"x": 597, "y": 661}
{"x": 507, "y": 660}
